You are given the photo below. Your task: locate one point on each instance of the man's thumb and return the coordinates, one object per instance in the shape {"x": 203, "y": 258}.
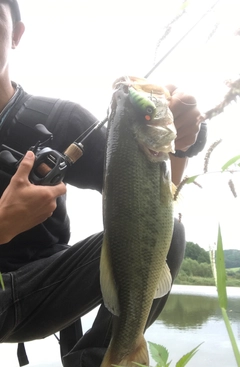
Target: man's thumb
{"x": 26, "y": 164}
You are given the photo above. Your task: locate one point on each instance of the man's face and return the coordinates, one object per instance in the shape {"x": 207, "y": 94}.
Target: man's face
{"x": 6, "y": 33}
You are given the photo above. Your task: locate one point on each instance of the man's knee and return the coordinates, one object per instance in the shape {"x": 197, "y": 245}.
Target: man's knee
{"x": 177, "y": 249}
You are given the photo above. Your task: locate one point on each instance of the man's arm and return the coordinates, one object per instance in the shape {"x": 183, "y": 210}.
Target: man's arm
{"x": 24, "y": 205}
{"x": 178, "y": 166}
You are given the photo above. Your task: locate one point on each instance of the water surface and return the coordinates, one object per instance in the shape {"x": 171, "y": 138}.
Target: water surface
{"x": 192, "y": 316}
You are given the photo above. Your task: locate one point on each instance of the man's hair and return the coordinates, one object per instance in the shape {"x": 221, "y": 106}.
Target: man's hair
{"x": 13, "y": 4}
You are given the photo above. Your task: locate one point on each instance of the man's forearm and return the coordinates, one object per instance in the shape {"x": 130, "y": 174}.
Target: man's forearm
{"x": 178, "y": 166}
{"x": 5, "y": 228}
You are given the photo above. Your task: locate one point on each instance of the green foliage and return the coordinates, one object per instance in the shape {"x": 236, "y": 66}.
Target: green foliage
{"x": 195, "y": 252}
{"x": 222, "y": 293}
{"x": 191, "y": 179}
{"x": 194, "y": 273}
{"x": 190, "y": 280}
{"x": 233, "y": 274}
{"x": 234, "y": 270}
{"x": 221, "y": 273}
{"x": 232, "y": 258}
{"x": 194, "y": 268}
{"x": 187, "y": 357}
{"x": 231, "y": 161}
{"x": 160, "y": 355}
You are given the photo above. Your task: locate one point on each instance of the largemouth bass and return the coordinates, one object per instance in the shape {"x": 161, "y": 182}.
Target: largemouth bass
{"x": 138, "y": 214}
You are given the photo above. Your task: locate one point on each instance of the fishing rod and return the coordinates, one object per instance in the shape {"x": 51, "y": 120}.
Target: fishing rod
{"x": 50, "y": 166}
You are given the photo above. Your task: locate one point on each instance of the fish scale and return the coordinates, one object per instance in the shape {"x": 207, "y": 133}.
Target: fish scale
{"x": 138, "y": 224}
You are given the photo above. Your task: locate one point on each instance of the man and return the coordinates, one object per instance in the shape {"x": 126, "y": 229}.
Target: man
{"x": 48, "y": 284}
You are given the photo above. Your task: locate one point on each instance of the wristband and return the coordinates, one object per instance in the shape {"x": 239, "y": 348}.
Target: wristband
{"x": 197, "y": 147}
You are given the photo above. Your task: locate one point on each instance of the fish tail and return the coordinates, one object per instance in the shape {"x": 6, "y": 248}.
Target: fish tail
{"x": 138, "y": 355}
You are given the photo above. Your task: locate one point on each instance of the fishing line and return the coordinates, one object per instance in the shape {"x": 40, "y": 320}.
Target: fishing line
{"x": 98, "y": 125}
{"x": 180, "y": 40}
{"x": 168, "y": 28}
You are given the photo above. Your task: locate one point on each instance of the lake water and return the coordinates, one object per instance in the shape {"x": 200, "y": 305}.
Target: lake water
{"x": 191, "y": 316}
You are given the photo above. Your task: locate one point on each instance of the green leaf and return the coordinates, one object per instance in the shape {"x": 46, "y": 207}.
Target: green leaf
{"x": 231, "y": 336}
{"x": 159, "y": 353}
{"x": 191, "y": 179}
{"x": 221, "y": 272}
{"x": 1, "y": 282}
{"x": 186, "y": 358}
{"x": 230, "y": 162}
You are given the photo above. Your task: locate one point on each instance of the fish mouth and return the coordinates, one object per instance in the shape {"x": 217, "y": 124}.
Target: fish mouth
{"x": 154, "y": 155}
{"x": 157, "y": 142}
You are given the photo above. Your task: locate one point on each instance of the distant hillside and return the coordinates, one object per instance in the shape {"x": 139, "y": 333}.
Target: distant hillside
{"x": 232, "y": 258}
{"x": 197, "y": 270}
{"x": 195, "y": 252}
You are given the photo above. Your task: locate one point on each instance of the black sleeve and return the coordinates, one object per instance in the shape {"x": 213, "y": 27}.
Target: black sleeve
{"x": 198, "y": 146}
{"x": 87, "y": 172}
{"x": 66, "y": 121}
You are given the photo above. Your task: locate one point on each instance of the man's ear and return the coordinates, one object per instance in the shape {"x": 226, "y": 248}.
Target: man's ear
{"x": 18, "y": 31}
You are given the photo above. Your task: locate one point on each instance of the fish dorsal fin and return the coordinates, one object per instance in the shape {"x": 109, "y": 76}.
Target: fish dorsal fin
{"x": 108, "y": 286}
{"x": 165, "y": 282}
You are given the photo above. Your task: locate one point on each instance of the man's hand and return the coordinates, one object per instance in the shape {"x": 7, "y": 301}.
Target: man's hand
{"x": 186, "y": 117}
{"x": 24, "y": 205}
{"x": 187, "y": 122}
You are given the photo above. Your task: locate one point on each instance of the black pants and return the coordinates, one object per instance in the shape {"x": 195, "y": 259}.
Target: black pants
{"x": 48, "y": 295}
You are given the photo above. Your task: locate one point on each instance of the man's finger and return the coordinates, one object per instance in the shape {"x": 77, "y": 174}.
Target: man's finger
{"x": 26, "y": 164}
{"x": 171, "y": 88}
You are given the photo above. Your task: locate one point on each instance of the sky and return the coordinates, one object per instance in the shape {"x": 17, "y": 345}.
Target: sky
{"x": 75, "y": 49}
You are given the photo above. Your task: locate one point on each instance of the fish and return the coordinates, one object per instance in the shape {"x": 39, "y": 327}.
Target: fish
{"x": 137, "y": 213}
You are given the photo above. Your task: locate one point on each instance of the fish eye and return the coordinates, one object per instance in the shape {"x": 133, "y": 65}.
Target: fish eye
{"x": 149, "y": 110}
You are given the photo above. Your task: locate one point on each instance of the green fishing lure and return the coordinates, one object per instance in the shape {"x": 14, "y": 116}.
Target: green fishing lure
{"x": 142, "y": 104}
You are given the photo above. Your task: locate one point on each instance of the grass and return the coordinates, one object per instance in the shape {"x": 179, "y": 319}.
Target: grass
{"x": 193, "y": 280}
{"x": 220, "y": 277}
{"x": 233, "y": 269}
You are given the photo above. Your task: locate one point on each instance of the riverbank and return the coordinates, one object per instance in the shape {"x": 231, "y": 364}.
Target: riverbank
{"x": 184, "y": 279}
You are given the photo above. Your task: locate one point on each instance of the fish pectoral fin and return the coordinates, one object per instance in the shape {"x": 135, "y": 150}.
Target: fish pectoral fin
{"x": 165, "y": 282}
{"x": 108, "y": 286}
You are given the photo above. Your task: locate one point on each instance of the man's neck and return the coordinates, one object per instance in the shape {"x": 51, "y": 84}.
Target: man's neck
{"x": 6, "y": 93}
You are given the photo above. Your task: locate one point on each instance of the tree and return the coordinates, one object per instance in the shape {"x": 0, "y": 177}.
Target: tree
{"x": 232, "y": 258}
{"x": 195, "y": 252}
{"x": 193, "y": 268}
